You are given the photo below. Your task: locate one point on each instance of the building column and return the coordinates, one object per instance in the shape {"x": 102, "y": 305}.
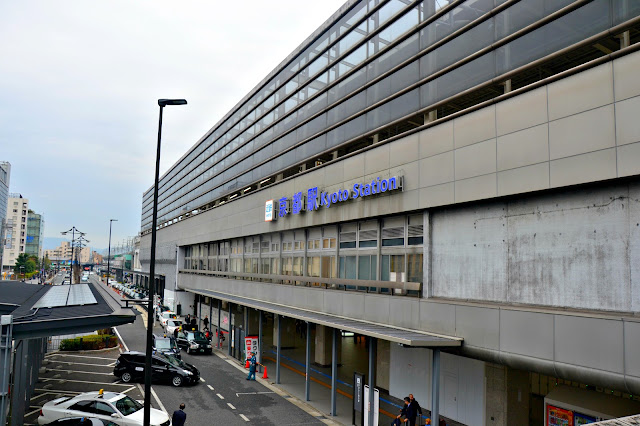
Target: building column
{"x": 334, "y": 371}
{"x": 323, "y": 346}
{"x": 435, "y": 387}
{"x": 372, "y": 380}
{"x": 289, "y": 335}
{"x": 219, "y": 329}
{"x": 260, "y": 319}
{"x": 230, "y": 328}
{"x": 307, "y": 380}
{"x": 278, "y": 348}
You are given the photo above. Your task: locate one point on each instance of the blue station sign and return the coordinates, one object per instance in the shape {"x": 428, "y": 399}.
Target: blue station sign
{"x": 313, "y": 199}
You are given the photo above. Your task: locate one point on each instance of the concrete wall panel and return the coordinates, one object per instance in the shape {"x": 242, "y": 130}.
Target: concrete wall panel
{"x": 522, "y": 112}
{"x": 586, "y": 90}
{"x": 436, "y": 140}
{"x": 591, "y": 167}
{"x": 625, "y": 74}
{"x": 632, "y": 347}
{"x": 476, "y": 160}
{"x": 585, "y": 132}
{"x": 526, "y": 333}
{"x": 575, "y": 337}
{"x": 627, "y": 123}
{"x": 475, "y": 127}
{"x": 523, "y": 148}
{"x": 480, "y": 326}
{"x": 523, "y": 179}
{"x": 438, "y": 317}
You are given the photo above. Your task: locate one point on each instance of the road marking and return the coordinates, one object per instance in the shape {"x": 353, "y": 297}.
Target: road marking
{"x": 84, "y": 372}
{"x": 121, "y": 339}
{"x": 243, "y": 417}
{"x": 86, "y": 381}
{"x": 155, "y": 395}
{"x": 201, "y": 379}
{"x": 231, "y": 406}
{"x": 82, "y": 363}
{"x": 252, "y": 393}
{"x": 210, "y": 387}
{"x": 55, "y": 391}
{"x": 127, "y": 390}
{"x": 79, "y": 356}
{"x": 220, "y": 396}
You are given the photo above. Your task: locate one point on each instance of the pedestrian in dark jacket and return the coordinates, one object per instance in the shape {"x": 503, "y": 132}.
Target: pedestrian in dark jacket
{"x": 179, "y": 416}
{"x": 416, "y": 405}
{"x": 205, "y": 321}
{"x": 409, "y": 412}
{"x": 187, "y": 319}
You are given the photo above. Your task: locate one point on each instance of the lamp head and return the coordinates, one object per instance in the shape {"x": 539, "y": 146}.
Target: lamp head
{"x": 165, "y": 102}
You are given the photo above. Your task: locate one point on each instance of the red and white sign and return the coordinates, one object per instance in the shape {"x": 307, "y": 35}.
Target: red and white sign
{"x": 250, "y": 344}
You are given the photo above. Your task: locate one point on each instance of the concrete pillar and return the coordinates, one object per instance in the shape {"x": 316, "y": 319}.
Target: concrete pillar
{"x": 517, "y": 397}
{"x": 334, "y": 369}
{"x": 307, "y": 380}
{"x": 288, "y": 332}
{"x": 324, "y": 337}
{"x": 435, "y": 387}
{"x": 383, "y": 364}
{"x": 496, "y": 395}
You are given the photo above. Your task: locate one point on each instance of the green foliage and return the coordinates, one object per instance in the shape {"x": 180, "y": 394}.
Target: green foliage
{"x": 28, "y": 263}
{"x": 91, "y": 342}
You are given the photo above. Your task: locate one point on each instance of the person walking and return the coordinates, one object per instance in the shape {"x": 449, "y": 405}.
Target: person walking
{"x": 252, "y": 367}
{"x": 205, "y": 321}
{"x": 187, "y": 319}
{"x": 416, "y": 406}
{"x": 179, "y": 416}
{"x": 409, "y": 412}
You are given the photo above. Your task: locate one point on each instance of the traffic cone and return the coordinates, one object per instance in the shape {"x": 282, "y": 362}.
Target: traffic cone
{"x": 246, "y": 365}
{"x": 264, "y": 375}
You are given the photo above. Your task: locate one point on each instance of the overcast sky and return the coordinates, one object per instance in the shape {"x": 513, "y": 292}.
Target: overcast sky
{"x": 79, "y": 83}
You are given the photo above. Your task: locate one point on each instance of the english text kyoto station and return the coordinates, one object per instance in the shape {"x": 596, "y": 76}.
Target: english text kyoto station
{"x": 438, "y": 198}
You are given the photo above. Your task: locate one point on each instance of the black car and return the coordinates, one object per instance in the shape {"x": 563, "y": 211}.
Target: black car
{"x": 130, "y": 366}
{"x": 194, "y": 342}
{"x": 166, "y": 346}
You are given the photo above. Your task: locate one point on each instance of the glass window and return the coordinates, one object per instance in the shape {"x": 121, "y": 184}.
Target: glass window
{"x": 414, "y": 268}
{"x": 367, "y": 266}
{"x": 313, "y": 266}
{"x": 84, "y": 406}
{"x": 392, "y": 268}
{"x": 348, "y": 267}
{"x": 328, "y": 266}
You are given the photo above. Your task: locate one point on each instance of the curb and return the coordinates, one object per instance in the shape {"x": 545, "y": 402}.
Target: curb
{"x": 57, "y": 351}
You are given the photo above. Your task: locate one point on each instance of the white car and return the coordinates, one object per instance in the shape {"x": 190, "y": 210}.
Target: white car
{"x": 171, "y": 326}
{"x": 110, "y": 406}
{"x": 167, "y": 315}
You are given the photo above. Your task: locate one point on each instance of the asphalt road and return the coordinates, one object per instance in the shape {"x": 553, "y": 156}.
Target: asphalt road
{"x": 225, "y": 397}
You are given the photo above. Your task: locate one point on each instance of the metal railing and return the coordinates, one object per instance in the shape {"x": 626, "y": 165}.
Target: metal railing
{"x": 368, "y": 286}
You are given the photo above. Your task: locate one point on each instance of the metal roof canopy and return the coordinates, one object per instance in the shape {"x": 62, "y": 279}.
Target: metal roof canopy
{"x": 402, "y": 336}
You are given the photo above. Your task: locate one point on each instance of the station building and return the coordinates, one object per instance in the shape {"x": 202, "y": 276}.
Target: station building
{"x": 455, "y": 180}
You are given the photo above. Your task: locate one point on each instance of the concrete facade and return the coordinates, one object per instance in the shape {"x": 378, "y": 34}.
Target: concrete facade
{"x": 527, "y": 209}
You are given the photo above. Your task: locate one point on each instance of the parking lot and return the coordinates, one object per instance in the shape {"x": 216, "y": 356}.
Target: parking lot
{"x": 68, "y": 374}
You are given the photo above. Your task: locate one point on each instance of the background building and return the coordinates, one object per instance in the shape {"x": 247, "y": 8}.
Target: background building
{"x": 61, "y": 255}
{"x": 16, "y": 232}
{"x": 5, "y": 178}
{"x": 459, "y": 170}
{"x": 35, "y": 234}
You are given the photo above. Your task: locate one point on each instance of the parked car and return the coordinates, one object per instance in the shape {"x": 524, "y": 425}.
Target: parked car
{"x": 130, "y": 366}
{"x": 171, "y": 326}
{"x": 81, "y": 421}
{"x": 194, "y": 342}
{"x": 160, "y": 309}
{"x": 166, "y": 346}
{"x": 167, "y": 315}
{"x": 113, "y": 407}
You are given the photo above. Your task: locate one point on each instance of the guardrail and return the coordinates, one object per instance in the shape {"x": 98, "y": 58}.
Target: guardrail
{"x": 391, "y": 287}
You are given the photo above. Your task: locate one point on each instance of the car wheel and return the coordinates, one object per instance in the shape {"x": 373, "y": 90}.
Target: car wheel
{"x": 176, "y": 381}
{"x": 126, "y": 377}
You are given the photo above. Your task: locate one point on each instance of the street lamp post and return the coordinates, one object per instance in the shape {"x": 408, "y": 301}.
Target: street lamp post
{"x": 73, "y": 231}
{"x": 152, "y": 265}
{"x": 109, "y": 254}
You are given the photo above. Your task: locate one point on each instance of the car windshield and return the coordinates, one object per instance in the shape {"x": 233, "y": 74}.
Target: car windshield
{"x": 128, "y": 406}
{"x": 173, "y": 323}
{"x": 163, "y": 344}
{"x": 174, "y": 361}
{"x": 196, "y": 335}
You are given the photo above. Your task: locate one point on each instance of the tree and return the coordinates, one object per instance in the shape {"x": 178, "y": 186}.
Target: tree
{"x": 25, "y": 263}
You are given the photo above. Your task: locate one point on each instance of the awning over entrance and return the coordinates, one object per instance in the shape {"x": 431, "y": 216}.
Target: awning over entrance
{"x": 393, "y": 334}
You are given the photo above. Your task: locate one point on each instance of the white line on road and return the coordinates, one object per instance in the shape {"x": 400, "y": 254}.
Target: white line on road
{"x": 210, "y": 387}
{"x": 121, "y": 339}
{"x": 245, "y": 418}
{"x": 78, "y": 356}
{"x": 251, "y": 393}
{"x": 201, "y": 379}
{"x": 84, "y": 372}
{"x": 81, "y": 363}
{"x": 231, "y": 406}
{"x": 155, "y": 395}
{"x": 220, "y": 396}
{"x": 130, "y": 389}
{"x": 86, "y": 381}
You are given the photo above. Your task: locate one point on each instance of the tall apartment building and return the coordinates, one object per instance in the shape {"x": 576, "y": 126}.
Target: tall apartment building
{"x": 457, "y": 180}
{"x": 16, "y": 231}
{"x": 35, "y": 234}
{"x": 5, "y": 178}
